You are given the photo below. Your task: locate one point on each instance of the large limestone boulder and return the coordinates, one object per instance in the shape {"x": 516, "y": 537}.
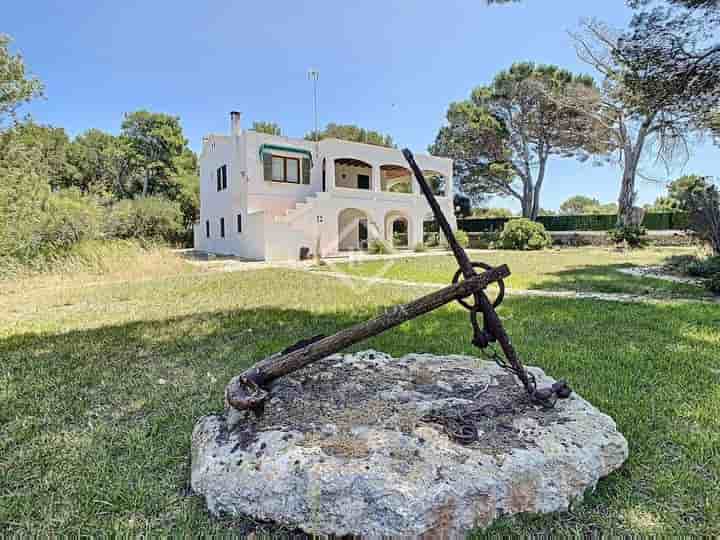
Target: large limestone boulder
{"x": 365, "y": 444}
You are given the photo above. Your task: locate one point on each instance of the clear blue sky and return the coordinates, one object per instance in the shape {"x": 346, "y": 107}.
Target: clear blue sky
{"x": 390, "y": 65}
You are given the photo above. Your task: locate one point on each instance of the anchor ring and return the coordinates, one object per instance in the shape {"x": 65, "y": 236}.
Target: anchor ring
{"x": 501, "y": 287}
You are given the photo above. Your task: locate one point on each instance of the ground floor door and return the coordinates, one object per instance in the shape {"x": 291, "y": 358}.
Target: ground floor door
{"x": 363, "y": 234}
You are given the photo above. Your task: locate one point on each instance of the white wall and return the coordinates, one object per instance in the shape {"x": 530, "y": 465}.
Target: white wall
{"x": 273, "y": 227}
{"x": 277, "y": 197}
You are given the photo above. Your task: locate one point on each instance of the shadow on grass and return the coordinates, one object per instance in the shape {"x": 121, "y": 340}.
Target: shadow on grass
{"x": 95, "y": 425}
{"x": 609, "y": 279}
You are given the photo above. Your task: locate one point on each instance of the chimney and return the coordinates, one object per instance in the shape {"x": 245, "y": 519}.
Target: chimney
{"x": 235, "y": 124}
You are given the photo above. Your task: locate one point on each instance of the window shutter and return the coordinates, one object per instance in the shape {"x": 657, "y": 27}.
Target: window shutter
{"x": 219, "y": 179}
{"x": 306, "y": 171}
{"x": 224, "y": 176}
{"x": 267, "y": 167}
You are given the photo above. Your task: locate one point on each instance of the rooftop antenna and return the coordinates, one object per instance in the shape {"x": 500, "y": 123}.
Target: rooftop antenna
{"x": 314, "y": 75}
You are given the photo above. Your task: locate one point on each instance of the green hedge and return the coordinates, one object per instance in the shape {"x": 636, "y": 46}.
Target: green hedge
{"x": 669, "y": 221}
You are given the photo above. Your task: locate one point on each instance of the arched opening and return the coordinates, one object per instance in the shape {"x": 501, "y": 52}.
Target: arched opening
{"x": 353, "y": 230}
{"x": 397, "y": 229}
{"x": 431, "y": 231}
{"x": 395, "y": 179}
{"x": 353, "y": 174}
{"x": 438, "y": 182}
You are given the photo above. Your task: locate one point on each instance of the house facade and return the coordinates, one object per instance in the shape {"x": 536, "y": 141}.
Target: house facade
{"x": 268, "y": 197}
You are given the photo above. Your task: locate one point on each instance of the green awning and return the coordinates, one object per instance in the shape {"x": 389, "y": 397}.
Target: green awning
{"x": 270, "y": 147}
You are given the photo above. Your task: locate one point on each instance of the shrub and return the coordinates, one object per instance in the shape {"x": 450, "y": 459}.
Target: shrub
{"x": 462, "y": 238}
{"x": 146, "y": 218}
{"x": 704, "y": 268}
{"x": 431, "y": 239}
{"x": 713, "y": 283}
{"x": 419, "y": 248}
{"x": 71, "y": 218}
{"x": 633, "y": 236}
{"x": 379, "y": 247}
{"x": 484, "y": 240}
{"x": 24, "y": 192}
{"x": 524, "y": 234}
{"x": 681, "y": 263}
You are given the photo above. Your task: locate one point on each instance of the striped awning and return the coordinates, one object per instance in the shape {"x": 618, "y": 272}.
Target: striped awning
{"x": 265, "y": 148}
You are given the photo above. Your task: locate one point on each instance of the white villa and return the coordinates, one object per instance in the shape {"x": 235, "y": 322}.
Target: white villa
{"x": 268, "y": 197}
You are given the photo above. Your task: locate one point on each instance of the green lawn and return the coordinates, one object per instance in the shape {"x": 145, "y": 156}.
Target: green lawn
{"x": 100, "y": 388}
{"x": 582, "y": 269}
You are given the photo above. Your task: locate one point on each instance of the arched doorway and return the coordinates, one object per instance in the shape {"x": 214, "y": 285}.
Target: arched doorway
{"x": 431, "y": 230}
{"x": 353, "y": 230}
{"x": 395, "y": 179}
{"x": 437, "y": 181}
{"x": 353, "y": 174}
{"x": 397, "y": 229}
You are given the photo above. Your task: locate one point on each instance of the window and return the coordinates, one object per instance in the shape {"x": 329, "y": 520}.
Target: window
{"x": 222, "y": 227}
{"x": 221, "y": 174}
{"x": 207, "y": 229}
{"x": 285, "y": 169}
{"x": 239, "y": 223}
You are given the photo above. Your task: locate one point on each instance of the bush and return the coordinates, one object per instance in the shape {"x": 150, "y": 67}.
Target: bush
{"x": 524, "y": 234}
{"x": 379, "y": 247}
{"x": 419, "y": 248}
{"x": 462, "y": 238}
{"x": 483, "y": 240}
{"x": 681, "y": 263}
{"x": 431, "y": 239}
{"x": 146, "y": 218}
{"x": 71, "y": 218}
{"x": 633, "y": 236}
{"x": 713, "y": 283}
{"x": 704, "y": 268}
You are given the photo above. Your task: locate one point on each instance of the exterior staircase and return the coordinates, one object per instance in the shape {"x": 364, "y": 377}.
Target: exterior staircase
{"x": 295, "y": 226}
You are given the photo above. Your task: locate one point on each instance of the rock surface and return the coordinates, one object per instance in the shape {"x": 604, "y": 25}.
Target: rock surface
{"x": 353, "y": 446}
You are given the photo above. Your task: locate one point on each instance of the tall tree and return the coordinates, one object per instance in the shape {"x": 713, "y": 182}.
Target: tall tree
{"x": 349, "y": 132}
{"x": 630, "y": 123}
{"x": 271, "y": 128}
{"x": 156, "y": 141}
{"x": 673, "y": 54}
{"x": 503, "y": 137}
{"x": 16, "y": 87}
{"x": 101, "y": 164}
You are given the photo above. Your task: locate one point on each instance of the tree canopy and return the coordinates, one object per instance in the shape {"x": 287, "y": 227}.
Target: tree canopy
{"x": 156, "y": 140}
{"x": 16, "y": 87}
{"x": 581, "y": 204}
{"x": 350, "y": 132}
{"x": 492, "y": 212}
{"x": 629, "y": 123}
{"x": 503, "y": 136}
{"x": 672, "y": 54}
{"x": 271, "y": 128}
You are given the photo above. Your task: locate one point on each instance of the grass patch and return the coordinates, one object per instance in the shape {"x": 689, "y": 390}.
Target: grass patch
{"x": 100, "y": 388}
{"x": 577, "y": 269}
